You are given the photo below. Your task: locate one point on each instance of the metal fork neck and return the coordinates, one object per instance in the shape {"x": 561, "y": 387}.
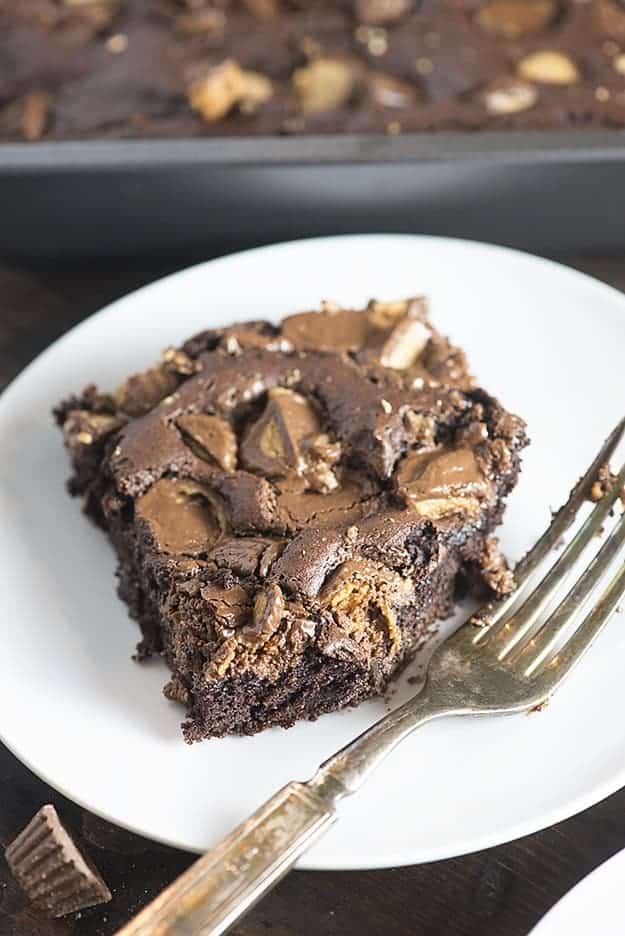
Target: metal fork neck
{"x": 346, "y": 771}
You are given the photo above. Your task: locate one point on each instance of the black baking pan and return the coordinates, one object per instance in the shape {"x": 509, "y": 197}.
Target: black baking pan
{"x": 553, "y": 191}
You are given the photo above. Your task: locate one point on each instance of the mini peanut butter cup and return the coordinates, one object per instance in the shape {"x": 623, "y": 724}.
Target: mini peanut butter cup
{"x": 56, "y": 877}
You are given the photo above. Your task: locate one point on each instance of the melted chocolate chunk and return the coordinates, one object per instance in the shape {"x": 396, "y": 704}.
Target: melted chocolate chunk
{"x": 345, "y": 504}
{"x": 181, "y": 517}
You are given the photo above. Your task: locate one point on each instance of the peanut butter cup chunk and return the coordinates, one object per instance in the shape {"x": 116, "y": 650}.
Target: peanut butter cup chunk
{"x": 407, "y": 339}
{"x": 181, "y": 516}
{"x": 210, "y": 438}
{"x": 228, "y": 608}
{"x": 225, "y": 86}
{"x": 395, "y": 330}
{"x": 292, "y": 516}
{"x": 382, "y": 12}
{"x": 333, "y": 329}
{"x": 441, "y": 483}
{"x": 269, "y": 608}
{"x": 273, "y": 445}
{"x": 141, "y": 392}
{"x": 364, "y": 597}
{"x": 325, "y": 84}
{"x": 515, "y": 19}
{"x": 287, "y": 442}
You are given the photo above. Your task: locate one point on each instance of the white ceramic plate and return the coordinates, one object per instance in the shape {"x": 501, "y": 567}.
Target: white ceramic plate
{"x": 78, "y": 711}
{"x": 595, "y": 905}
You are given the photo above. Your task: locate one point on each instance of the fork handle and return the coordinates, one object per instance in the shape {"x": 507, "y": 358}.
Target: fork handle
{"x": 220, "y": 887}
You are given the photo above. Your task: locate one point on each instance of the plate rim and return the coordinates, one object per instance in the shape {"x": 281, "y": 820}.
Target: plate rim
{"x": 570, "y": 807}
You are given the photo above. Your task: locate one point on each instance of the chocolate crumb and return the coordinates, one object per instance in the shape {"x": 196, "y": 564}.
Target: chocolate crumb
{"x": 495, "y": 569}
{"x": 603, "y": 485}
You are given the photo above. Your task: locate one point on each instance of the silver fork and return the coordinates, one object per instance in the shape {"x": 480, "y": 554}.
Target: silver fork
{"x": 513, "y": 661}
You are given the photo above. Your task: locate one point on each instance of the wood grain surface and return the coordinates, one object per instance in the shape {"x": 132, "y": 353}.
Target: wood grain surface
{"x": 499, "y": 892}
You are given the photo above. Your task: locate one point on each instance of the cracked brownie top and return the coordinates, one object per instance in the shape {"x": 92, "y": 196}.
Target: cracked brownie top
{"x": 290, "y": 484}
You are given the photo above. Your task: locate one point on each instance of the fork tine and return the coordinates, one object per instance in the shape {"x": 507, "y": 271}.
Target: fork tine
{"x": 525, "y": 619}
{"x": 579, "y": 642}
{"x": 533, "y": 652}
{"x": 495, "y": 611}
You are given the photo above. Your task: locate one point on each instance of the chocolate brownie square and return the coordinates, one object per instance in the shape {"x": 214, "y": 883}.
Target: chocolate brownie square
{"x": 293, "y": 506}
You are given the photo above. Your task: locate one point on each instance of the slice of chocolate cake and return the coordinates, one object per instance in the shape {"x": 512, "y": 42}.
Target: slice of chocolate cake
{"x": 292, "y": 506}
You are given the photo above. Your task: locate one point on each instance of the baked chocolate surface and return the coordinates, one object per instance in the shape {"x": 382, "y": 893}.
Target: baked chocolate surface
{"x": 292, "y": 506}
{"x": 76, "y": 69}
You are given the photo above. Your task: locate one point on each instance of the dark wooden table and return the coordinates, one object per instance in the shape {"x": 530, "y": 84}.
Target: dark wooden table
{"x": 500, "y": 892}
